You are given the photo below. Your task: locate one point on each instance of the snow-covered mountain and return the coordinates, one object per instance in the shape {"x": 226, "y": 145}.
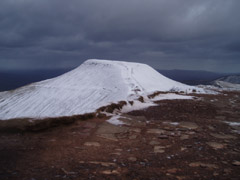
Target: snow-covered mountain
{"x": 228, "y": 83}
{"x": 234, "y": 79}
{"x": 93, "y": 84}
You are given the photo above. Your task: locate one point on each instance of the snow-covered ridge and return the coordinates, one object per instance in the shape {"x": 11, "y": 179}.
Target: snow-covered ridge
{"x": 226, "y": 85}
{"x": 234, "y": 79}
{"x": 93, "y": 84}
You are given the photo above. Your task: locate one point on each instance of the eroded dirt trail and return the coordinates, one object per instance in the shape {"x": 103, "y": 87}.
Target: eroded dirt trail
{"x": 179, "y": 139}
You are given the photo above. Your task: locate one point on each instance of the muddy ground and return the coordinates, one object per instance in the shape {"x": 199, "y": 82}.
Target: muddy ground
{"x": 178, "y": 139}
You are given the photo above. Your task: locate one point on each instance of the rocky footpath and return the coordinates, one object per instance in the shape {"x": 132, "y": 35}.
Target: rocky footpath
{"x": 178, "y": 139}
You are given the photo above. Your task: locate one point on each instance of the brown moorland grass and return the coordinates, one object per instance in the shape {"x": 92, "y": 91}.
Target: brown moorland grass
{"x": 110, "y": 108}
{"x": 151, "y": 96}
{"x": 28, "y": 124}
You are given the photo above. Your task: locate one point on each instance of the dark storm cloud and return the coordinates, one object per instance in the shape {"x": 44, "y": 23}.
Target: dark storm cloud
{"x": 188, "y": 34}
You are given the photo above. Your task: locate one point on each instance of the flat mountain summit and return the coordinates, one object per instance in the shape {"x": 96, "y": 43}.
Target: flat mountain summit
{"x": 93, "y": 84}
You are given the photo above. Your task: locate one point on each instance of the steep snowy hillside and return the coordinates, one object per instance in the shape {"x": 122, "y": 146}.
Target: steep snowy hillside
{"x": 93, "y": 84}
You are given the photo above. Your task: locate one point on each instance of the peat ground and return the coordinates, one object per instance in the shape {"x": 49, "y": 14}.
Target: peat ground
{"x": 178, "y": 139}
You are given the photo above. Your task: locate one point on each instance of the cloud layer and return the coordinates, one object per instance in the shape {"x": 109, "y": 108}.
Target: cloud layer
{"x": 186, "y": 34}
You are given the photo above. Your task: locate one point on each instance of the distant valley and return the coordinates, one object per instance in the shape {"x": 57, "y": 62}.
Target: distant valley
{"x": 193, "y": 77}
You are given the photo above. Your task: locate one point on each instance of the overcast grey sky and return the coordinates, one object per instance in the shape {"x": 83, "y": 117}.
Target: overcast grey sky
{"x": 166, "y": 34}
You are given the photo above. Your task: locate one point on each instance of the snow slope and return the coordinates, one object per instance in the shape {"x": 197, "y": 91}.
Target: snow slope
{"x": 93, "y": 84}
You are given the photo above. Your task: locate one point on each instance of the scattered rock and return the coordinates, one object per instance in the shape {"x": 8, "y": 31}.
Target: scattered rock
{"x": 159, "y": 149}
{"x": 67, "y": 172}
{"x": 236, "y": 163}
{"x": 116, "y": 153}
{"x": 154, "y": 142}
{"x": 211, "y": 128}
{"x": 121, "y": 135}
{"x": 223, "y": 136}
{"x": 183, "y": 148}
{"x": 133, "y": 159}
{"x": 180, "y": 177}
{"x": 174, "y": 134}
{"x": 106, "y": 164}
{"x": 172, "y": 171}
{"x": 224, "y": 162}
{"x": 216, "y": 145}
{"x": 133, "y": 137}
{"x": 111, "y": 137}
{"x": 203, "y": 165}
{"x": 184, "y": 137}
{"x": 226, "y": 141}
{"x": 108, "y": 131}
{"x": 156, "y": 131}
{"x": 136, "y": 130}
{"x": 96, "y": 144}
{"x": 188, "y": 125}
{"x": 237, "y": 150}
{"x": 167, "y": 128}
{"x": 109, "y": 172}
{"x": 163, "y": 137}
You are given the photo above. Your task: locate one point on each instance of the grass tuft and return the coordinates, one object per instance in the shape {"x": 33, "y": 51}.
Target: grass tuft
{"x": 110, "y": 108}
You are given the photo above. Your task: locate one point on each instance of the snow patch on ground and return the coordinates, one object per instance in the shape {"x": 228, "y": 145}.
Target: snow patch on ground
{"x": 115, "y": 120}
{"x": 221, "y": 86}
{"x": 137, "y": 105}
{"x": 232, "y": 123}
{"x": 170, "y": 96}
{"x": 172, "y": 123}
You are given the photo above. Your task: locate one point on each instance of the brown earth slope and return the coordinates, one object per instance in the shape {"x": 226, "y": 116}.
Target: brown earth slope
{"x": 178, "y": 139}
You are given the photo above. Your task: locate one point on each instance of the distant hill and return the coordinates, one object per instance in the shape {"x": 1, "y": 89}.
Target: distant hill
{"x": 231, "y": 82}
{"x": 234, "y": 79}
{"x": 192, "y": 77}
